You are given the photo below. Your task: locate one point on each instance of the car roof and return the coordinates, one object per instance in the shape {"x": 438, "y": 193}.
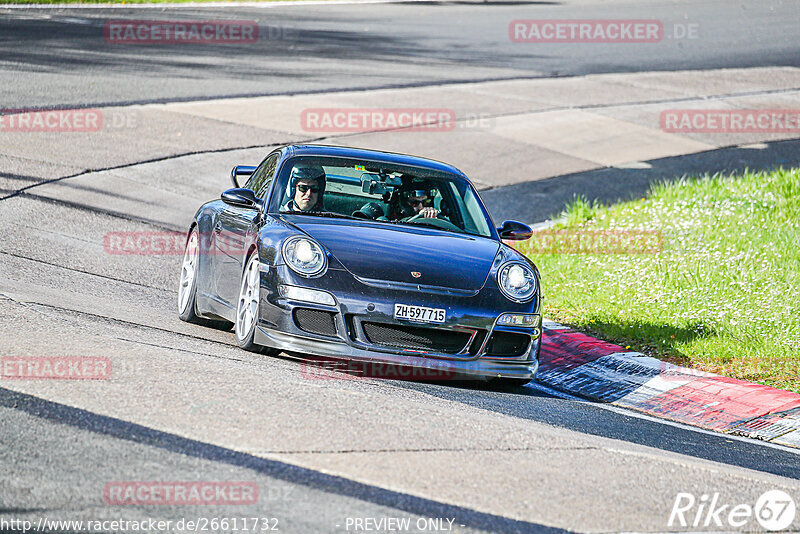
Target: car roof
{"x": 374, "y": 155}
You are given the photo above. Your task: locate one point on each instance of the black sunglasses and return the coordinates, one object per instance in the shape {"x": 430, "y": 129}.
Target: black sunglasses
{"x": 304, "y": 188}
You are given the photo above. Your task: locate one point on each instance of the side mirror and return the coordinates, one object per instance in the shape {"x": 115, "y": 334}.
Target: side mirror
{"x": 241, "y": 198}
{"x": 241, "y": 170}
{"x": 515, "y": 231}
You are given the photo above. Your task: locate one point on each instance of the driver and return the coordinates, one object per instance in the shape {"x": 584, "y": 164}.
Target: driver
{"x": 415, "y": 201}
{"x": 306, "y": 189}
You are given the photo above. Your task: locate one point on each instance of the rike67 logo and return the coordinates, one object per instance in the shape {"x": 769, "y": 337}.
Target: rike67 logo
{"x": 774, "y": 511}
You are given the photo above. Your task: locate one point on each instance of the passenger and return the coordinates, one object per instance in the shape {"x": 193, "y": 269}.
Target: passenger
{"x": 306, "y": 189}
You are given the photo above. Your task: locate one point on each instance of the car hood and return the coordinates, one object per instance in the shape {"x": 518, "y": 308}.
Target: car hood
{"x": 391, "y": 253}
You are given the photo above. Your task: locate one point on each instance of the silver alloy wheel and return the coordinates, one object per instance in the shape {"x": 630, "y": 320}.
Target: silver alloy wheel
{"x": 188, "y": 273}
{"x": 247, "y": 310}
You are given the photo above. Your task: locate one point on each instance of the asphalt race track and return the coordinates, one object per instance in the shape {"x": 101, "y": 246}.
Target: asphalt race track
{"x": 326, "y": 452}
{"x": 54, "y": 57}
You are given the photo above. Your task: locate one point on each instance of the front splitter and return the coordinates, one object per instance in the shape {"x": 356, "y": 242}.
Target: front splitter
{"x": 480, "y": 368}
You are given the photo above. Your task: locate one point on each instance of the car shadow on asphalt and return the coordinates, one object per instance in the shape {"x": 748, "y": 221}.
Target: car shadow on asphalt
{"x": 277, "y": 471}
{"x": 327, "y": 368}
{"x": 540, "y": 403}
{"x": 540, "y": 200}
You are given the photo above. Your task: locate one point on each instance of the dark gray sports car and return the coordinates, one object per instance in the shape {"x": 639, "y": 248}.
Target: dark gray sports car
{"x": 368, "y": 256}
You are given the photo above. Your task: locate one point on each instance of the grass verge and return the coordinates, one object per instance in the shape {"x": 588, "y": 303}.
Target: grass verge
{"x": 723, "y": 293}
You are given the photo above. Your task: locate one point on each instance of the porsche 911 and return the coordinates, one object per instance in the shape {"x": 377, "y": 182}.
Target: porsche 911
{"x": 364, "y": 256}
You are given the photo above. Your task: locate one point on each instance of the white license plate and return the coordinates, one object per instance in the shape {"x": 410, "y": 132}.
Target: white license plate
{"x": 420, "y": 314}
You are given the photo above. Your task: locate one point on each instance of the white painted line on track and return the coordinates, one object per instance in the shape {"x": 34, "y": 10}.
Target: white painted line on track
{"x": 639, "y": 415}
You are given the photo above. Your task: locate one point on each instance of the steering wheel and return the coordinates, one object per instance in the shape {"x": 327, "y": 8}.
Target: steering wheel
{"x": 444, "y": 224}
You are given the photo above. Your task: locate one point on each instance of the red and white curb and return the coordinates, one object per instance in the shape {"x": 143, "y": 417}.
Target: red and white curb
{"x": 592, "y": 368}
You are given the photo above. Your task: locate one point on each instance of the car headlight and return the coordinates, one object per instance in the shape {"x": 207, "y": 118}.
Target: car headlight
{"x": 517, "y": 281}
{"x": 304, "y": 256}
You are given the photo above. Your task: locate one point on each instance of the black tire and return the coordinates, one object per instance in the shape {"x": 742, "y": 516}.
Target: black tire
{"x": 188, "y": 311}
{"x": 245, "y": 339}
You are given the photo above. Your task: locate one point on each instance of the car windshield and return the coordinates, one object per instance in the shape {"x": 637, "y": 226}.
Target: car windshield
{"x": 381, "y": 192}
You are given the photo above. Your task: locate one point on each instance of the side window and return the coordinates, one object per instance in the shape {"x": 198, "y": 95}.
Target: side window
{"x": 260, "y": 180}
{"x": 474, "y": 219}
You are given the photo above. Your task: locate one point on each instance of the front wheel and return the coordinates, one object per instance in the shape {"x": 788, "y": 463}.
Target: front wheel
{"x": 247, "y": 308}
{"x": 187, "y": 289}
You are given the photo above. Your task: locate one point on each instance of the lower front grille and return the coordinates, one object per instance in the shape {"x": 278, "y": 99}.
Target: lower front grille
{"x": 507, "y": 344}
{"x": 315, "y": 321}
{"x": 477, "y": 343}
{"x": 416, "y": 337}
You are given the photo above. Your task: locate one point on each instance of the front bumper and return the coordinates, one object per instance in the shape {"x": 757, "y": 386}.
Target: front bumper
{"x": 472, "y": 316}
{"x": 445, "y": 369}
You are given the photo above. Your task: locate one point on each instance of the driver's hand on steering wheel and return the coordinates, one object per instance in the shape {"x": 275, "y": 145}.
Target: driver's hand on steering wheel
{"x": 429, "y": 212}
